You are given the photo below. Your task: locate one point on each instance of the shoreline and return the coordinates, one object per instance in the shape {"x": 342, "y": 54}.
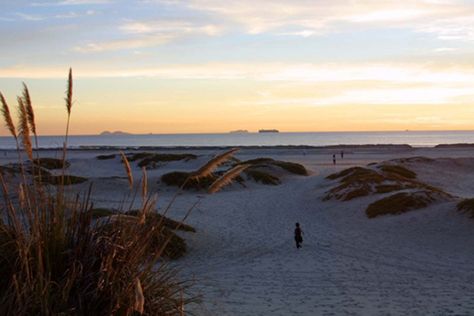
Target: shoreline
{"x": 335, "y": 147}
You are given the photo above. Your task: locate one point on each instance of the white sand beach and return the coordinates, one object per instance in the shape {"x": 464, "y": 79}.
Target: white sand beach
{"x": 243, "y": 257}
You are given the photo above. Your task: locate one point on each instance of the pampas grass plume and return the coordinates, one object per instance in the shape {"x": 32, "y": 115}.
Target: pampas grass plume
{"x": 68, "y": 98}
{"x": 7, "y": 116}
{"x": 226, "y": 178}
{"x": 212, "y": 164}
{"x": 29, "y": 108}
{"x": 128, "y": 169}
{"x": 24, "y": 129}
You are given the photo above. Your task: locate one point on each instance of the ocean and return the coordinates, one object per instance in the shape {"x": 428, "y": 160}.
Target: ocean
{"x": 415, "y": 139}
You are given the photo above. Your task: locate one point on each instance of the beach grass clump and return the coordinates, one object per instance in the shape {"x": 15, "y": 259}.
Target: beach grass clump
{"x": 150, "y": 159}
{"x": 99, "y": 212}
{"x": 349, "y": 171}
{"x": 162, "y": 240}
{"x": 466, "y": 206}
{"x": 50, "y": 163}
{"x": 182, "y": 179}
{"x": 416, "y": 159}
{"x": 398, "y": 171}
{"x": 262, "y": 177}
{"x": 388, "y": 188}
{"x": 291, "y": 167}
{"x": 106, "y": 157}
{"x": 384, "y": 178}
{"x": 56, "y": 259}
{"x": 400, "y": 203}
{"x": 156, "y": 158}
{"x": 61, "y": 180}
{"x": 168, "y": 222}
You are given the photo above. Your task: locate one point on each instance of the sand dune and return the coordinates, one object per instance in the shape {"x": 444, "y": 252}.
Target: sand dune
{"x": 243, "y": 254}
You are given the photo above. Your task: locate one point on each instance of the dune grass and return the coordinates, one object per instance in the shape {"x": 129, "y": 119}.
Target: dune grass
{"x": 383, "y": 178}
{"x": 106, "y": 157}
{"x": 57, "y": 260}
{"x": 61, "y": 180}
{"x": 398, "y": 171}
{"x": 50, "y": 163}
{"x": 147, "y": 159}
{"x": 262, "y": 177}
{"x": 181, "y": 178}
{"x": 466, "y": 206}
{"x": 399, "y": 203}
{"x": 291, "y": 167}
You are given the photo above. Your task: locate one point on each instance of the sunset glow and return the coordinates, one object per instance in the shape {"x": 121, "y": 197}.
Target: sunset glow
{"x": 213, "y": 66}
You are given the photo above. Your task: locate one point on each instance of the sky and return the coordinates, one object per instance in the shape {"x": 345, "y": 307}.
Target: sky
{"x": 212, "y": 66}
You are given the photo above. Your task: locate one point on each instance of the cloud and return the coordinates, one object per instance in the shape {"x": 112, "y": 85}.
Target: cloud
{"x": 123, "y": 44}
{"x": 69, "y": 3}
{"x": 30, "y": 17}
{"x": 301, "y": 84}
{"x": 139, "y": 34}
{"x": 453, "y": 20}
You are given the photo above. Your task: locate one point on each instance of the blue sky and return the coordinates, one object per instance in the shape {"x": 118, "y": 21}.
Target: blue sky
{"x": 259, "y": 63}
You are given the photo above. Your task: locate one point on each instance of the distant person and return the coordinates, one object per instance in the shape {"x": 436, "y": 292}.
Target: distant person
{"x": 298, "y": 236}
{"x": 334, "y": 159}
{"x": 342, "y": 154}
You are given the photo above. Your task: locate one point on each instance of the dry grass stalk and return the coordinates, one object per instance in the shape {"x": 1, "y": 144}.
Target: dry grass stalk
{"x": 24, "y": 128}
{"x": 7, "y": 116}
{"x": 29, "y": 108}
{"x": 128, "y": 169}
{"x": 212, "y": 164}
{"x": 144, "y": 184}
{"x": 21, "y": 195}
{"x": 139, "y": 305}
{"x": 226, "y": 178}
{"x": 68, "y": 98}
{"x": 57, "y": 260}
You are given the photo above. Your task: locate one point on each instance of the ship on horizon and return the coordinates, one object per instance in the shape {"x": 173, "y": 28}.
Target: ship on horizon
{"x": 268, "y": 131}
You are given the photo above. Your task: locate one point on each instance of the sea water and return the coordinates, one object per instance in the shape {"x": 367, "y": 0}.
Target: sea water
{"x": 415, "y": 139}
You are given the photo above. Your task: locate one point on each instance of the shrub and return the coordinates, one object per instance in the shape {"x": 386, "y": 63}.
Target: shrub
{"x": 56, "y": 260}
{"x": 178, "y": 178}
{"x": 291, "y": 167}
{"x": 398, "y": 171}
{"x": 262, "y": 177}
{"x": 466, "y": 206}
{"x": 50, "y": 163}
{"x": 60, "y": 180}
{"x": 148, "y": 159}
{"x": 399, "y": 203}
{"x": 106, "y": 157}
{"x": 168, "y": 222}
{"x": 387, "y": 188}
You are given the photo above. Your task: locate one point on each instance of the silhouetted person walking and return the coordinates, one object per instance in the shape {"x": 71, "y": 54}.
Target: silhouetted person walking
{"x": 298, "y": 235}
{"x": 342, "y": 154}
{"x": 334, "y": 159}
